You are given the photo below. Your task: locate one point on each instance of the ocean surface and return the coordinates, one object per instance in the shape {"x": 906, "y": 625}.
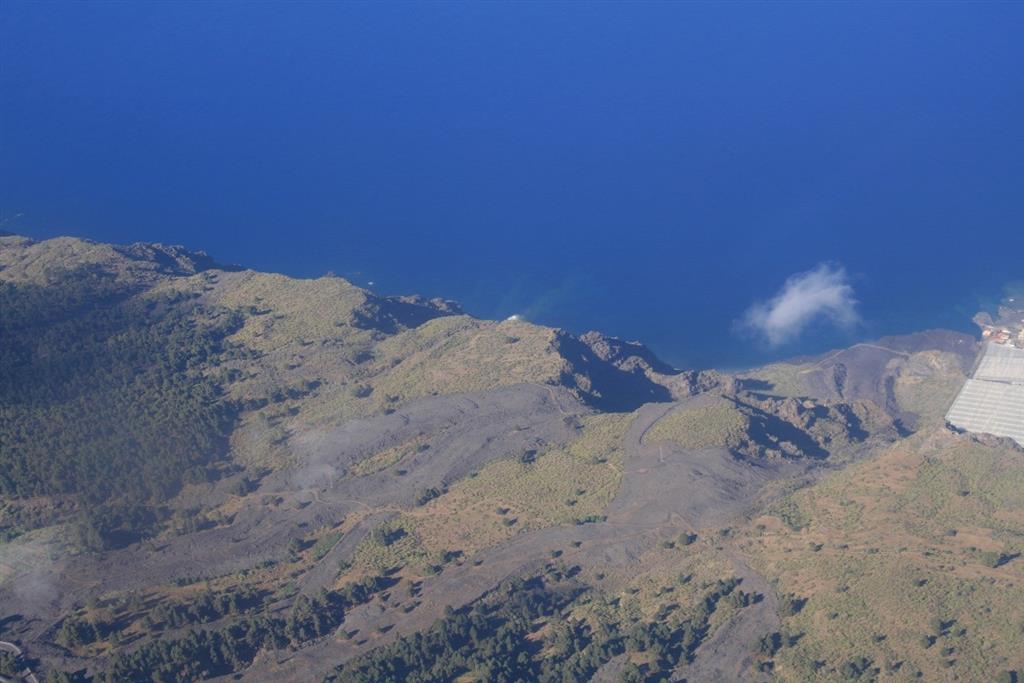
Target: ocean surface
{"x": 651, "y": 170}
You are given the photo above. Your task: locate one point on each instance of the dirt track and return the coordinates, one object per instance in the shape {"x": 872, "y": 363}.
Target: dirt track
{"x": 665, "y": 491}
{"x": 728, "y": 655}
{"x": 462, "y": 434}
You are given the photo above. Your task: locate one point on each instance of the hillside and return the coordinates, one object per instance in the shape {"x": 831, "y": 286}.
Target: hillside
{"x": 209, "y": 471}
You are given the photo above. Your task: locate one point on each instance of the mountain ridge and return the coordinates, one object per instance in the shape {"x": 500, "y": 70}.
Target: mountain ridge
{"x": 213, "y": 472}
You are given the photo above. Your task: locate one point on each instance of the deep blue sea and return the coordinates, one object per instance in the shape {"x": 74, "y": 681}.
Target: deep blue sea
{"x": 648, "y": 169}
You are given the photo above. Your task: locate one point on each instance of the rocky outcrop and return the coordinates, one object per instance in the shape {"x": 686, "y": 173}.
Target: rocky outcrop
{"x": 633, "y": 357}
{"x": 391, "y": 315}
{"x": 799, "y": 428}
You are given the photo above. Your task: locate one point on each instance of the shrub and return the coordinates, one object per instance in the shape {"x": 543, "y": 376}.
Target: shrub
{"x": 790, "y": 605}
{"x": 993, "y": 559}
{"x": 426, "y": 495}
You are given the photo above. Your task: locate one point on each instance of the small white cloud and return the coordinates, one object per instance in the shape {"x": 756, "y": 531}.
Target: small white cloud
{"x": 822, "y": 293}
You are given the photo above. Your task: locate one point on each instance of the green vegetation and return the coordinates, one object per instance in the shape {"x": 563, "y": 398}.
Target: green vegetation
{"x": 123, "y": 389}
{"x": 206, "y": 607}
{"x": 204, "y": 653}
{"x": 559, "y": 486}
{"x": 426, "y": 495}
{"x": 700, "y": 426}
{"x": 929, "y": 383}
{"x": 390, "y": 544}
{"x": 868, "y": 570}
{"x": 75, "y": 632}
{"x": 113, "y": 618}
{"x": 790, "y": 605}
{"x": 325, "y": 544}
{"x": 790, "y": 512}
{"x": 457, "y": 353}
{"x": 11, "y": 665}
{"x": 496, "y": 639}
{"x": 385, "y": 459}
{"x": 108, "y": 396}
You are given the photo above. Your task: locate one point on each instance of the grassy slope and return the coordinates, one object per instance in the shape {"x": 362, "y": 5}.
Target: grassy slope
{"x": 508, "y": 497}
{"x": 891, "y": 545}
{"x": 711, "y": 424}
{"x": 870, "y": 547}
